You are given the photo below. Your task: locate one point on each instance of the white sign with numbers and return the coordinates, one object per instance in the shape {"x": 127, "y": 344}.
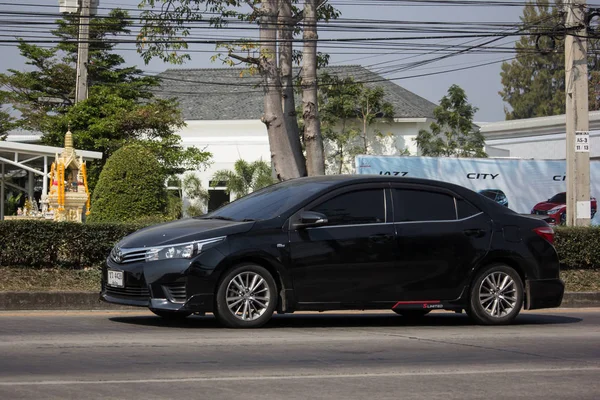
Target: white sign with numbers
{"x": 582, "y": 142}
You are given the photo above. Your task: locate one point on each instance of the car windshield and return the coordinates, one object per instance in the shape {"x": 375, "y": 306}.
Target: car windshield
{"x": 560, "y": 198}
{"x": 269, "y": 202}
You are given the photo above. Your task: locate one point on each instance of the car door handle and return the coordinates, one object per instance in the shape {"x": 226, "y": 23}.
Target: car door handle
{"x": 382, "y": 238}
{"x": 474, "y": 232}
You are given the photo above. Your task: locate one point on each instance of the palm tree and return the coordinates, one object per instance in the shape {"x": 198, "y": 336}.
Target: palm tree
{"x": 196, "y": 194}
{"x": 245, "y": 178}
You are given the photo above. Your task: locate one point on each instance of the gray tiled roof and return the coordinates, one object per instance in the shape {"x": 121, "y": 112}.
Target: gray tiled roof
{"x": 230, "y": 94}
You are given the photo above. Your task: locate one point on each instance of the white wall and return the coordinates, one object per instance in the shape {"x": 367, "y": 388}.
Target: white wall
{"x": 543, "y": 147}
{"x": 228, "y": 141}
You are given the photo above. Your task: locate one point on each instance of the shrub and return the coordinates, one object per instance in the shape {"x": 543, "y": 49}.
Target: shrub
{"x": 131, "y": 186}
{"x": 578, "y": 247}
{"x": 46, "y": 244}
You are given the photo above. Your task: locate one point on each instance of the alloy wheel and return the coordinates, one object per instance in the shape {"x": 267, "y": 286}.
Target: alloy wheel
{"x": 498, "y": 294}
{"x": 248, "y": 296}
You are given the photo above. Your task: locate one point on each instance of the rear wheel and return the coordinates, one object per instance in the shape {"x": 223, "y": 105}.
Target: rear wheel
{"x": 246, "y": 297}
{"x": 172, "y": 315}
{"x": 496, "y": 295}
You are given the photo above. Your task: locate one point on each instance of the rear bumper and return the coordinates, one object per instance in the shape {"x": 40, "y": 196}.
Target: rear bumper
{"x": 544, "y": 293}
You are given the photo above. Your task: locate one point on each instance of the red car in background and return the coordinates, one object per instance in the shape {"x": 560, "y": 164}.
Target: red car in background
{"x": 556, "y": 208}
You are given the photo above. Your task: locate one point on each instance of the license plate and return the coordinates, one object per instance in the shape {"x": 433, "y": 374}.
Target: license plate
{"x": 115, "y": 279}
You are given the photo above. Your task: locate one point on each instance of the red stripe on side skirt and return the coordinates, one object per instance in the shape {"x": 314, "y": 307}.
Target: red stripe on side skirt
{"x": 417, "y": 302}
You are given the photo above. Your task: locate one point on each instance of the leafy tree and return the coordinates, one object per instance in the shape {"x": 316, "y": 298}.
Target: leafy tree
{"x": 452, "y": 134}
{"x": 163, "y": 35}
{"x": 246, "y": 177}
{"x": 6, "y": 124}
{"x": 534, "y": 83}
{"x": 373, "y": 108}
{"x": 196, "y": 194}
{"x": 338, "y": 107}
{"x": 121, "y": 107}
{"x": 131, "y": 188}
{"x": 348, "y": 108}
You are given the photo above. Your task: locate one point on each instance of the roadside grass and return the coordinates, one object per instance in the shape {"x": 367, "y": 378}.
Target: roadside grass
{"x": 49, "y": 280}
{"x": 88, "y": 280}
{"x": 581, "y": 280}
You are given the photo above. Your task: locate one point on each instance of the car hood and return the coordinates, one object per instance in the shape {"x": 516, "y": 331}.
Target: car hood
{"x": 545, "y": 206}
{"x": 182, "y": 231}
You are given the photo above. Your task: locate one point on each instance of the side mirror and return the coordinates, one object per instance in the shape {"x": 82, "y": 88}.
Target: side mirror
{"x": 309, "y": 219}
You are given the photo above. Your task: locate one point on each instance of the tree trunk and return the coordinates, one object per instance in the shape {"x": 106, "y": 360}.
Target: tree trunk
{"x": 341, "y": 158}
{"x": 341, "y": 145}
{"x": 365, "y": 142}
{"x": 282, "y": 155}
{"x": 315, "y": 161}
{"x": 286, "y": 32}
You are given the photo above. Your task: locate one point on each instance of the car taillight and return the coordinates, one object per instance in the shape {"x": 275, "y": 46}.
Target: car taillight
{"x": 545, "y": 232}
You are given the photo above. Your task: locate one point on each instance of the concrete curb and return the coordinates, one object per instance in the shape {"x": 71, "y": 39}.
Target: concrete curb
{"x": 10, "y": 301}
{"x": 581, "y": 299}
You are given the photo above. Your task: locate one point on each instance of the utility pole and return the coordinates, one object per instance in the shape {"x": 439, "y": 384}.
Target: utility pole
{"x": 578, "y": 138}
{"x": 81, "y": 92}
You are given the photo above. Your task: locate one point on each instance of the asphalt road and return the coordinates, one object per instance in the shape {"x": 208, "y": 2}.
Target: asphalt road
{"x": 549, "y": 354}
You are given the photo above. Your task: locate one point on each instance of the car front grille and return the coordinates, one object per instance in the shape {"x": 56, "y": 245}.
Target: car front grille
{"x": 540, "y": 212}
{"x": 125, "y": 256}
{"x": 176, "y": 292}
{"x": 137, "y": 293}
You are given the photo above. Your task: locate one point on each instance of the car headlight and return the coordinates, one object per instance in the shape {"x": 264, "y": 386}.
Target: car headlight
{"x": 555, "y": 210}
{"x": 180, "y": 250}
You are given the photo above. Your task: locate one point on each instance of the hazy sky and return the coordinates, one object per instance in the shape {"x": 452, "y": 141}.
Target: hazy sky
{"x": 481, "y": 84}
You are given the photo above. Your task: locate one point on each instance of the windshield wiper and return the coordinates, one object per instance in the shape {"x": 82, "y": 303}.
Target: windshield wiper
{"x": 220, "y": 217}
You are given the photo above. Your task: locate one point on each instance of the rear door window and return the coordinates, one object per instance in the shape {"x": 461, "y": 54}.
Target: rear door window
{"x": 418, "y": 205}
{"x": 465, "y": 209}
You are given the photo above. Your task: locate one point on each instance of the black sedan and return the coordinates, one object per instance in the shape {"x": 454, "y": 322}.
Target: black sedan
{"x": 341, "y": 242}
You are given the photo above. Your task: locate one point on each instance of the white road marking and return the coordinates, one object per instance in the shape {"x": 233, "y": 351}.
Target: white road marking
{"x": 302, "y": 377}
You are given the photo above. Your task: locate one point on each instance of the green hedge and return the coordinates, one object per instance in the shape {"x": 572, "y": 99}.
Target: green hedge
{"x": 578, "y": 248}
{"x": 46, "y": 244}
{"x": 131, "y": 186}
{"x": 43, "y": 244}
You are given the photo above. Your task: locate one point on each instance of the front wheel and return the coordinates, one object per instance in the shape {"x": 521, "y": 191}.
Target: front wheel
{"x": 496, "y": 295}
{"x": 246, "y": 297}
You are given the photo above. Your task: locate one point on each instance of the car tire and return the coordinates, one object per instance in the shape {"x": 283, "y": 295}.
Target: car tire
{"x": 412, "y": 314}
{"x": 496, "y": 295}
{"x": 246, "y": 297}
{"x": 171, "y": 315}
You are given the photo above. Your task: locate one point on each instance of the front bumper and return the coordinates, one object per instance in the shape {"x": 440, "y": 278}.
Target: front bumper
{"x": 168, "y": 286}
{"x": 544, "y": 293}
